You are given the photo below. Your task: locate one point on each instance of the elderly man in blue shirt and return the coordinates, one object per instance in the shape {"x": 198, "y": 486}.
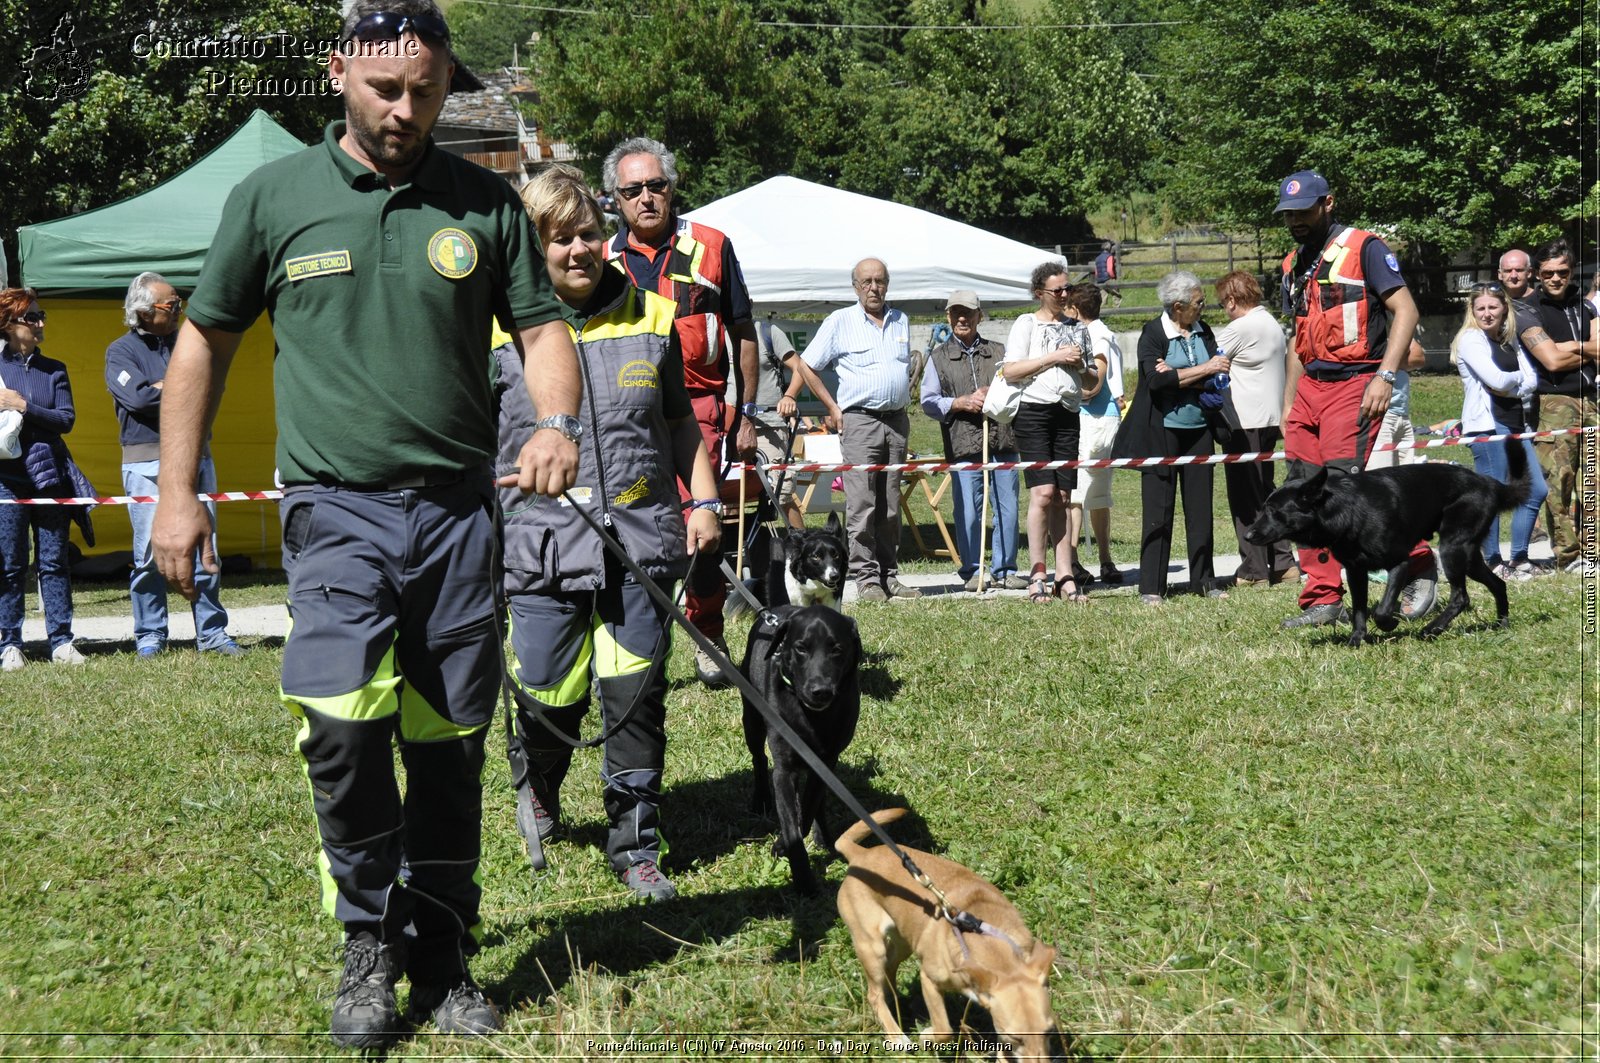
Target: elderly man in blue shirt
{"x": 869, "y": 346}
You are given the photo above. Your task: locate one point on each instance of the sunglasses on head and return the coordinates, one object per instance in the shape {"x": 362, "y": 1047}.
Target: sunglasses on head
{"x": 656, "y": 185}
{"x": 1492, "y": 287}
{"x": 389, "y": 25}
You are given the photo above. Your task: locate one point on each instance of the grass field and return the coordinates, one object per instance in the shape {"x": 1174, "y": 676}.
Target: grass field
{"x": 1244, "y": 843}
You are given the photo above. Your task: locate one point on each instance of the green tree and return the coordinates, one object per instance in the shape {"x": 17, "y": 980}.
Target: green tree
{"x": 97, "y": 105}
{"x": 1016, "y": 130}
{"x": 488, "y": 37}
{"x": 694, "y": 74}
{"x": 1459, "y": 127}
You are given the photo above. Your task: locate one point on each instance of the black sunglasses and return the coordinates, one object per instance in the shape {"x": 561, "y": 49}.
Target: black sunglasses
{"x": 33, "y": 317}
{"x": 656, "y": 185}
{"x": 389, "y": 25}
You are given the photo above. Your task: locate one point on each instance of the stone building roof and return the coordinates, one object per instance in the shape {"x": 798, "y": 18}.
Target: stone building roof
{"x": 491, "y": 109}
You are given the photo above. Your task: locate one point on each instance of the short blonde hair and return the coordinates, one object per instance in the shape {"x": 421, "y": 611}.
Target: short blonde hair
{"x": 560, "y": 196}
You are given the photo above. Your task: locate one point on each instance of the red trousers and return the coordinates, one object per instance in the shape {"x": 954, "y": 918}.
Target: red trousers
{"x": 1325, "y": 427}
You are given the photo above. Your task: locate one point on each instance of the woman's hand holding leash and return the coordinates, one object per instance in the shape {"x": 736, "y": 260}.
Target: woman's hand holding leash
{"x": 703, "y": 531}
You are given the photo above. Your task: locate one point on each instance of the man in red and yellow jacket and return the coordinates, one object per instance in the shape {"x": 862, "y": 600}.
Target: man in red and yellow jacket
{"x": 694, "y": 266}
{"x": 1353, "y": 323}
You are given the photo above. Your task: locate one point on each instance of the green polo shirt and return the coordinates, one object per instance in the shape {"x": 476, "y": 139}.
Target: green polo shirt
{"x": 380, "y": 301}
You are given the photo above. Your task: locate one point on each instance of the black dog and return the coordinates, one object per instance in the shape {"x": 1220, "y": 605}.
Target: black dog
{"x": 805, "y": 663}
{"x": 815, "y": 563}
{"x": 1371, "y": 520}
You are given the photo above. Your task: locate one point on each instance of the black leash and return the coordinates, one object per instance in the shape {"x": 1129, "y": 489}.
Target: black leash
{"x": 508, "y": 692}
{"x": 775, "y": 722}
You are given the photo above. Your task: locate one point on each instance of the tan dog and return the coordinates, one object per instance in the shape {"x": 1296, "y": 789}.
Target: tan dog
{"x": 890, "y": 917}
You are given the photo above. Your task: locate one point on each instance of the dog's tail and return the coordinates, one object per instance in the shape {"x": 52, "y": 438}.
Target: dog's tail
{"x": 849, "y": 844}
{"x": 1518, "y": 483}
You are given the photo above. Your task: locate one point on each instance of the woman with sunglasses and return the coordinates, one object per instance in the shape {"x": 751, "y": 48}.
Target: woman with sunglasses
{"x": 1046, "y": 356}
{"x": 1495, "y": 377}
{"x": 1178, "y": 359}
{"x": 37, "y": 388}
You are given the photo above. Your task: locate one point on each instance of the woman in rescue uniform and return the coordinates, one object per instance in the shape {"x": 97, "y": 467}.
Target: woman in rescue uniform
{"x": 578, "y": 619}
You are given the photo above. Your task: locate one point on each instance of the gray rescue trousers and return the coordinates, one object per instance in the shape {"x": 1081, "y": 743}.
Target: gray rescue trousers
{"x": 392, "y": 642}
{"x": 562, "y": 640}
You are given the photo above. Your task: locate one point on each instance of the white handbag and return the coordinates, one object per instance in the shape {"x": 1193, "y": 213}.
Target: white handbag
{"x": 10, "y": 434}
{"x": 1000, "y": 405}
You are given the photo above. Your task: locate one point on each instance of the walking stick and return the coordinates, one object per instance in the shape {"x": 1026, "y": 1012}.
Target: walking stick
{"x": 738, "y": 564}
{"x": 983, "y": 523}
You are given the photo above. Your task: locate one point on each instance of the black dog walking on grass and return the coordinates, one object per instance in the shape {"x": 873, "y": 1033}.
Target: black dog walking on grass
{"x": 1371, "y": 520}
{"x": 806, "y": 663}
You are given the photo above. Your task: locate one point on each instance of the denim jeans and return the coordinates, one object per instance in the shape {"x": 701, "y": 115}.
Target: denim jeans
{"x": 966, "y": 500}
{"x": 51, "y": 527}
{"x": 146, "y": 586}
{"x": 1490, "y": 459}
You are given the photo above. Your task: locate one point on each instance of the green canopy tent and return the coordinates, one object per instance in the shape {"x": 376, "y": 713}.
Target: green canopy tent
{"x": 81, "y": 265}
{"x": 167, "y": 229}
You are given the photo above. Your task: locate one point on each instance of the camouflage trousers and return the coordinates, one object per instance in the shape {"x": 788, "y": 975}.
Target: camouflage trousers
{"x": 1571, "y": 465}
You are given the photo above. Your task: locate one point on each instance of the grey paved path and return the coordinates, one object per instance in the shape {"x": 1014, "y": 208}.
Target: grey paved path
{"x": 271, "y": 621}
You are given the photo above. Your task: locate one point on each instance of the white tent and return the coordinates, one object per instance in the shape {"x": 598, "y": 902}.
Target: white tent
{"x": 797, "y": 240}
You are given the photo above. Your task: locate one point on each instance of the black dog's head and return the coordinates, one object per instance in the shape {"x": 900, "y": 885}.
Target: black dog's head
{"x": 817, "y": 652}
{"x": 1292, "y": 511}
{"x": 819, "y": 555}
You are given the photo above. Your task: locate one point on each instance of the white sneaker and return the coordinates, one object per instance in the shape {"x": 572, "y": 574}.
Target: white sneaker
{"x": 11, "y": 659}
{"x": 67, "y": 653}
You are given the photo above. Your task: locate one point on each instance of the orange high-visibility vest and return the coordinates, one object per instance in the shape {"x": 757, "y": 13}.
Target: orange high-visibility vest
{"x": 1330, "y": 313}
{"x": 692, "y": 278}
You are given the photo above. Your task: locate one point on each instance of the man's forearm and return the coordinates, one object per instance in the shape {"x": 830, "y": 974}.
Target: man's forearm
{"x": 803, "y": 373}
{"x": 749, "y": 361}
{"x": 191, "y": 393}
{"x": 550, "y": 368}
{"x": 1402, "y": 328}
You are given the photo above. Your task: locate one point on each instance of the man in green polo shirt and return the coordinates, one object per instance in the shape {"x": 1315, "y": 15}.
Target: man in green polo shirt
{"x": 381, "y": 259}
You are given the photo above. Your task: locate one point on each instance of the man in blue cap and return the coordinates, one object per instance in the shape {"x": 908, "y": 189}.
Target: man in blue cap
{"x": 1353, "y": 323}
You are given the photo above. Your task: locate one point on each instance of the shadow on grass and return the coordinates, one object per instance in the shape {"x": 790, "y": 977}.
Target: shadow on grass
{"x": 624, "y": 942}
{"x": 711, "y": 817}
{"x": 877, "y": 680}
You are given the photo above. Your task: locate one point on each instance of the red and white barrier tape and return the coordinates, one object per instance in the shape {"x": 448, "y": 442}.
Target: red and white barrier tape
{"x": 904, "y": 466}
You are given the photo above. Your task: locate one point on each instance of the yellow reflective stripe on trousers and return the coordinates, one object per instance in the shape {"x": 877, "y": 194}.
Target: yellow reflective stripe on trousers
{"x": 572, "y": 688}
{"x": 611, "y": 659}
{"x": 377, "y": 698}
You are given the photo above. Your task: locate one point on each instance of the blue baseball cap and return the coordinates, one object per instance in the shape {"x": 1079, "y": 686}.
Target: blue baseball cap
{"x": 1301, "y": 190}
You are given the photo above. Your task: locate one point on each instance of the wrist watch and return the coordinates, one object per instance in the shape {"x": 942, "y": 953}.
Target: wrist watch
{"x": 713, "y": 504}
{"x": 749, "y": 409}
{"x": 1387, "y": 376}
{"x": 564, "y": 423}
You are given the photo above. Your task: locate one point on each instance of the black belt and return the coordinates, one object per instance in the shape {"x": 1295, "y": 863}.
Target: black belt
{"x": 421, "y": 481}
{"x": 1342, "y": 373}
{"x": 873, "y": 411}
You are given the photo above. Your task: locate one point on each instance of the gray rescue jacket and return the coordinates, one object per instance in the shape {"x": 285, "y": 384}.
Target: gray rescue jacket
{"x": 625, "y": 466}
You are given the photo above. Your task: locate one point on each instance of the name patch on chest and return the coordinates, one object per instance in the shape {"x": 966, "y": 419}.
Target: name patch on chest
{"x": 452, "y": 253}
{"x": 317, "y": 265}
